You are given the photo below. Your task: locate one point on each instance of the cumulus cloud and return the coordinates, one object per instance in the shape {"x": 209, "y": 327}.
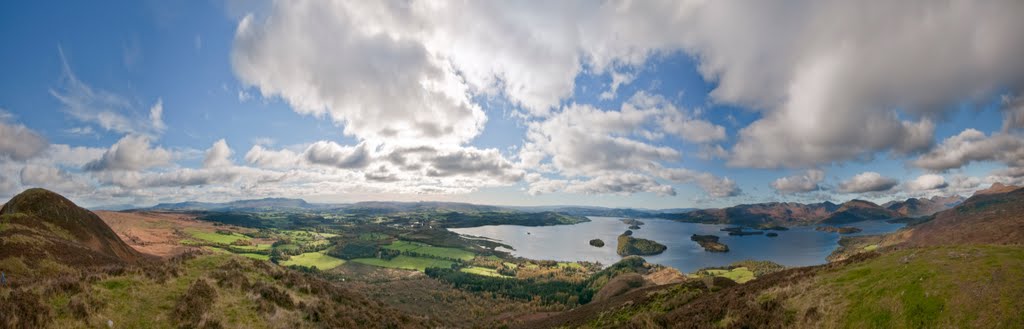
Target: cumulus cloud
{"x": 331, "y": 154}
{"x": 806, "y": 182}
{"x": 267, "y": 158}
{"x": 321, "y": 58}
{"x": 472, "y": 161}
{"x": 927, "y": 182}
{"x": 218, "y": 155}
{"x": 718, "y": 187}
{"x": 972, "y": 145}
{"x": 131, "y": 152}
{"x": 18, "y": 142}
{"x": 867, "y": 182}
{"x": 627, "y": 183}
{"x": 828, "y": 81}
{"x": 52, "y": 178}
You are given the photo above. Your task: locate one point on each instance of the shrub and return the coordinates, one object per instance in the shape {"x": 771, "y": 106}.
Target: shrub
{"x": 24, "y": 309}
{"x": 192, "y": 306}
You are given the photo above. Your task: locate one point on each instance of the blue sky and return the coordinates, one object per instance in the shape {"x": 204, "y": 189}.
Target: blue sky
{"x": 650, "y": 105}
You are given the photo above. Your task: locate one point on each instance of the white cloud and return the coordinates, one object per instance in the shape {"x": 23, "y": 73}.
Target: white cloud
{"x": 265, "y": 158}
{"x": 331, "y": 154}
{"x": 806, "y": 182}
{"x": 53, "y": 178}
{"x": 867, "y": 182}
{"x": 827, "y": 80}
{"x": 156, "y": 116}
{"x": 131, "y": 153}
{"x": 972, "y": 145}
{"x": 626, "y": 183}
{"x": 618, "y": 79}
{"x": 717, "y": 187}
{"x": 218, "y": 155}
{"x": 320, "y": 58}
{"x": 927, "y": 182}
{"x": 18, "y": 142}
{"x": 110, "y": 111}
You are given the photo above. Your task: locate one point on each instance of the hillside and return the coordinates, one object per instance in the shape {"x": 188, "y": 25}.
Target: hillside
{"x": 992, "y": 216}
{"x": 67, "y": 269}
{"x": 39, "y": 226}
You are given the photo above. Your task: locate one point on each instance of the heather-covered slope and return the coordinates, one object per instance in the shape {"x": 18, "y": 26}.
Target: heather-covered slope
{"x": 37, "y": 226}
{"x": 992, "y": 216}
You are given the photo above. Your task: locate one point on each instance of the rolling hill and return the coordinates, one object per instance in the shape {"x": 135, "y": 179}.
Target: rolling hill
{"x": 39, "y": 225}
{"x": 67, "y": 269}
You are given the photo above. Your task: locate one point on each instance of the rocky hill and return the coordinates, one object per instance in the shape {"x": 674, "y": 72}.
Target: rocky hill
{"x": 38, "y": 226}
{"x": 918, "y": 207}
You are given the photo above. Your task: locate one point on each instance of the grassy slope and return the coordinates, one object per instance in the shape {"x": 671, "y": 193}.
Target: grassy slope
{"x": 961, "y": 286}
{"x": 973, "y": 286}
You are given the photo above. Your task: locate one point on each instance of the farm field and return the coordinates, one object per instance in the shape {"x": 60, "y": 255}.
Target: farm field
{"x": 483, "y": 271}
{"x": 425, "y": 249}
{"x": 739, "y": 274}
{"x": 215, "y": 237}
{"x": 406, "y": 262}
{"x": 311, "y": 259}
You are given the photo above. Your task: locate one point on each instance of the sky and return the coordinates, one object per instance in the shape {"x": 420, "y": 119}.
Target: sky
{"x": 643, "y": 104}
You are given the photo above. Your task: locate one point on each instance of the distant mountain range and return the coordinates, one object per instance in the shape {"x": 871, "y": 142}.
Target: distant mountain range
{"x": 915, "y": 207}
{"x": 267, "y": 204}
{"x": 753, "y": 215}
{"x": 791, "y": 213}
{"x": 383, "y": 207}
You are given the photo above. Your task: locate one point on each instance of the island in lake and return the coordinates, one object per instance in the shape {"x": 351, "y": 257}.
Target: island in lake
{"x": 739, "y": 231}
{"x": 597, "y": 243}
{"x": 628, "y": 246}
{"x": 840, "y": 230}
{"x": 634, "y": 224}
{"x": 709, "y": 243}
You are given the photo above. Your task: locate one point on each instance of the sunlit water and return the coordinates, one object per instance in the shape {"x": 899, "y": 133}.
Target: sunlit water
{"x": 799, "y": 246}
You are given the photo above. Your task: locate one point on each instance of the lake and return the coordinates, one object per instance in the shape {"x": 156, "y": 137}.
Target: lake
{"x": 799, "y": 246}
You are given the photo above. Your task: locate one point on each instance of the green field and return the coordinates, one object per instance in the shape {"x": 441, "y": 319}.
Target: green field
{"x": 310, "y": 259}
{"x": 215, "y": 237}
{"x": 938, "y": 287}
{"x": 572, "y": 265}
{"x": 373, "y": 236}
{"x": 254, "y": 248}
{"x": 406, "y": 262}
{"x": 250, "y": 255}
{"x": 739, "y": 274}
{"x": 483, "y": 271}
{"x": 426, "y": 249}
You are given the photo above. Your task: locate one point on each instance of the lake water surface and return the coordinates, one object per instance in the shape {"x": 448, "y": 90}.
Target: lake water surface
{"x": 799, "y": 246}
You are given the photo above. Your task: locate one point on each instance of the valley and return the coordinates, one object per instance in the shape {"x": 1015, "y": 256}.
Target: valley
{"x": 410, "y": 262}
